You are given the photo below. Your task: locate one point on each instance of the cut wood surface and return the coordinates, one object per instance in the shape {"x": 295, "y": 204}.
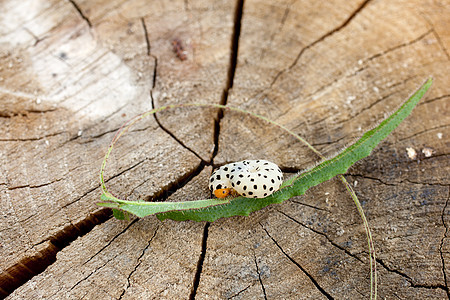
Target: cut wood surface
{"x": 72, "y": 72}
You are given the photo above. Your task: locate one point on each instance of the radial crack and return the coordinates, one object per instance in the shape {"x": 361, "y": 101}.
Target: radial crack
{"x": 324, "y": 235}
{"x": 441, "y": 252}
{"x": 80, "y": 12}
{"x": 201, "y": 259}
{"x": 28, "y": 267}
{"x": 436, "y": 35}
{"x": 238, "y": 293}
{"x": 323, "y": 37}
{"x": 139, "y": 260}
{"x": 259, "y": 277}
{"x": 231, "y": 73}
{"x": 409, "y": 279}
{"x": 171, "y": 134}
{"x": 314, "y": 281}
{"x": 112, "y": 240}
{"x": 155, "y": 68}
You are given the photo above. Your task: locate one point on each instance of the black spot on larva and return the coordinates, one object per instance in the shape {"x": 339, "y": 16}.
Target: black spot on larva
{"x": 232, "y": 176}
{"x": 271, "y": 189}
{"x": 248, "y": 175}
{"x": 238, "y": 182}
{"x": 264, "y": 186}
{"x": 265, "y": 194}
{"x": 278, "y": 177}
{"x": 267, "y": 170}
{"x": 243, "y": 194}
{"x": 257, "y": 161}
{"x": 245, "y": 187}
{"x": 219, "y": 186}
{"x": 265, "y": 176}
{"x": 225, "y": 168}
{"x": 227, "y": 176}
{"x": 212, "y": 179}
{"x": 259, "y": 175}
{"x": 250, "y": 193}
{"x": 239, "y": 168}
{"x": 255, "y": 187}
{"x": 218, "y": 177}
{"x": 240, "y": 175}
{"x": 272, "y": 180}
{"x": 233, "y": 170}
{"x": 257, "y": 169}
{"x": 252, "y": 179}
{"x": 232, "y": 184}
{"x": 255, "y": 197}
{"x": 266, "y": 164}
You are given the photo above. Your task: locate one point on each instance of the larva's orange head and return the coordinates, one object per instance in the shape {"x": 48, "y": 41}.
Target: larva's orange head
{"x": 222, "y": 193}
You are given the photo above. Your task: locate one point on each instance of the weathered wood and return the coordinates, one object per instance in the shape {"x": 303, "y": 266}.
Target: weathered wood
{"x": 71, "y": 72}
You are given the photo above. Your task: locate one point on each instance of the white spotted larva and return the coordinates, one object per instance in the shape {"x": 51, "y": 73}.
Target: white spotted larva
{"x": 249, "y": 178}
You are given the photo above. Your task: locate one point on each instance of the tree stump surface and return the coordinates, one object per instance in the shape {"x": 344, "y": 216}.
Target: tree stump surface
{"x": 72, "y": 72}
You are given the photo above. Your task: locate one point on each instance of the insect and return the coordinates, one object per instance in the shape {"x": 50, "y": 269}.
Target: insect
{"x": 248, "y": 178}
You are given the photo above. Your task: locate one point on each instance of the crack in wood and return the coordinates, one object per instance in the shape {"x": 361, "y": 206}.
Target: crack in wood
{"x": 259, "y": 277}
{"x": 111, "y": 241}
{"x": 409, "y": 279}
{"x": 323, "y": 37}
{"x": 384, "y": 52}
{"x": 310, "y": 206}
{"x": 441, "y": 245}
{"x": 330, "y": 84}
{"x": 365, "y": 108}
{"x": 155, "y": 68}
{"x": 397, "y": 183}
{"x": 28, "y": 267}
{"x": 35, "y": 186}
{"x": 8, "y": 114}
{"x": 278, "y": 30}
{"x": 324, "y": 235}
{"x": 164, "y": 192}
{"x": 80, "y": 12}
{"x": 436, "y": 35}
{"x": 231, "y": 73}
{"x": 424, "y": 131}
{"x": 93, "y": 272}
{"x": 433, "y": 99}
{"x": 139, "y": 261}
{"x": 311, "y": 278}
{"x": 33, "y": 138}
{"x": 200, "y": 262}
{"x": 333, "y": 142}
{"x": 240, "y": 292}
{"x": 172, "y": 135}
{"x": 409, "y": 43}
{"x": 377, "y": 101}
